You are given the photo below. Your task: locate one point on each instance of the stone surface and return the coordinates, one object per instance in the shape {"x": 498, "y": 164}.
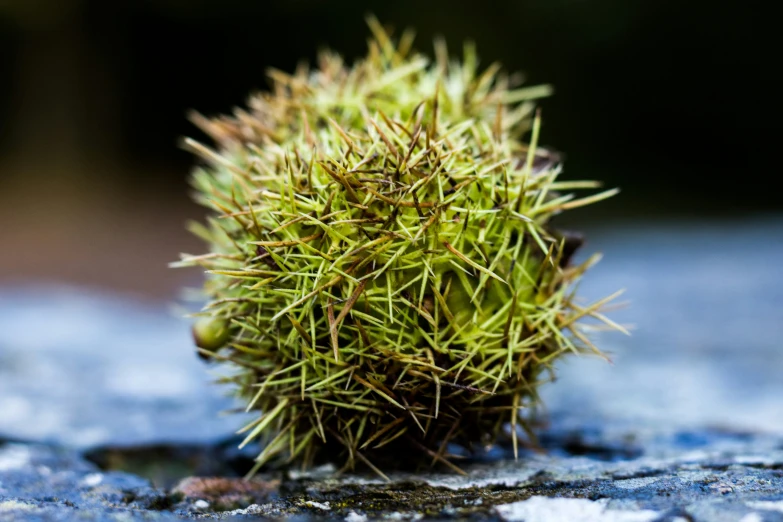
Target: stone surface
{"x": 686, "y": 424}
{"x": 84, "y": 370}
{"x": 44, "y": 483}
{"x": 707, "y": 344}
{"x": 725, "y": 476}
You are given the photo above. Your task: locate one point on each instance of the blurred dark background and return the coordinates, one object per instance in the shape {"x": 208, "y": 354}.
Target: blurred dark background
{"x": 673, "y": 101}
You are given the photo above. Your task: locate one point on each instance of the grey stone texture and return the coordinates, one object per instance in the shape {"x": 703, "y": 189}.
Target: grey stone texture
{"x": 107, "y": 414}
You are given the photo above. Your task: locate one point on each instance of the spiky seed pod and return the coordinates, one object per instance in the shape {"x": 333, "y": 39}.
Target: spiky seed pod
{"x": 381, "y": 271}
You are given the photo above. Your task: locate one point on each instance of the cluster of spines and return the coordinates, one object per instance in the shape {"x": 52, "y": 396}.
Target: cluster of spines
{"x": 382, "y": 273}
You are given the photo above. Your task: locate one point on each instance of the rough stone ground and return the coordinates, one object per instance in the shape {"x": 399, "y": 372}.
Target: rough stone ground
{"x": 105, "y": 413}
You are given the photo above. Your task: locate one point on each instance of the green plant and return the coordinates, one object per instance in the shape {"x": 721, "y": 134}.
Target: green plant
{"x": 382, "y": 272}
